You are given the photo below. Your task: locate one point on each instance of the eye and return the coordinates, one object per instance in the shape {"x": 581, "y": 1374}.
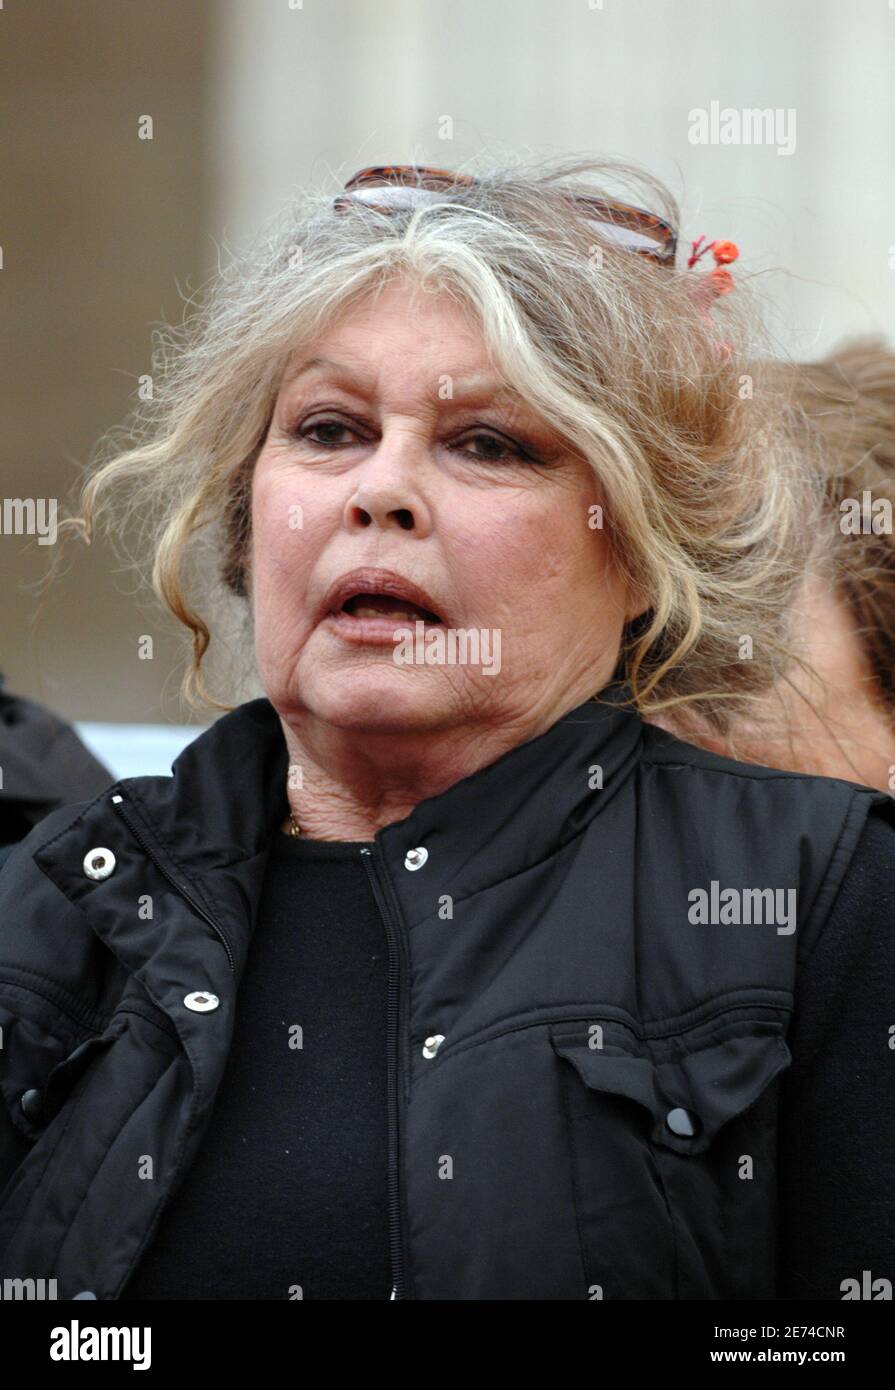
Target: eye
{"x": 497, "y": 448}
{"x": 328, "y": 429}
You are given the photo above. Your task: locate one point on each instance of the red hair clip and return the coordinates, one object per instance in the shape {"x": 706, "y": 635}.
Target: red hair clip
{"x": 719, "y": 281}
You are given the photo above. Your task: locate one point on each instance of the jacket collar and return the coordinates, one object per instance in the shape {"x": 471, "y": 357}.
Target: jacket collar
{"x": 227, "y": 798}
{"x": 516, "y": 811}
{"x": 211, "y": 823}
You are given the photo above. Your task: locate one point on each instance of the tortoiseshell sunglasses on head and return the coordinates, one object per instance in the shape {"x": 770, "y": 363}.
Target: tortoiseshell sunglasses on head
{"x": 402, "y": 185}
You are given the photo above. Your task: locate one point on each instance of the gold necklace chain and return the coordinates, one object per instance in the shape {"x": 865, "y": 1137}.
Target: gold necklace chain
{"x": 294, "y": 827}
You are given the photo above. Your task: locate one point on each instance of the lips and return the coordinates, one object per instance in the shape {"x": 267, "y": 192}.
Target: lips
{"x": 370, "y": 603}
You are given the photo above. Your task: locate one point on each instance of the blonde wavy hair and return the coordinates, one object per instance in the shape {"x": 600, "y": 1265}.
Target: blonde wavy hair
{"x": 707, "y": 506}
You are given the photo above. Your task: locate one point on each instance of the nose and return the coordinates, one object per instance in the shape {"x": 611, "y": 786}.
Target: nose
{"x": 388, "y": 492}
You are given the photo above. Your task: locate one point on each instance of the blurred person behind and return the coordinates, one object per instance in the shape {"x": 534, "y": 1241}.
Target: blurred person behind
{"x": 833, "y": 713}
{"x": 44, "y": 765}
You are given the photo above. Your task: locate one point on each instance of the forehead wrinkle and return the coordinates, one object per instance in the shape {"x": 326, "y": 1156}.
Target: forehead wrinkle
{"x": 315, "y": 363}
{"x": 469, "y": 389}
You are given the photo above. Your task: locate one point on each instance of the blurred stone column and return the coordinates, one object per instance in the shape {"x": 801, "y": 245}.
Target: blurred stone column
{"x": 101, "y": 233}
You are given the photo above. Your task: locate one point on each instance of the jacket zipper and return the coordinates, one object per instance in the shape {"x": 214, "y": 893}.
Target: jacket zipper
{"x": 138, "y": 834}
{"x": 380, "y": 893}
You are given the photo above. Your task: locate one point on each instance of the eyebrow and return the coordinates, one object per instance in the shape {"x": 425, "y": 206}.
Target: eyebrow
{"x": 477, "y": 386}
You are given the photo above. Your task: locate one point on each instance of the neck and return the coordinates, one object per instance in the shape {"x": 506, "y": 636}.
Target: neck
{"x": 353, "y": 782}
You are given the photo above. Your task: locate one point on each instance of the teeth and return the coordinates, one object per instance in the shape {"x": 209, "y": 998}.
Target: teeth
{"x": 396, "y": 613}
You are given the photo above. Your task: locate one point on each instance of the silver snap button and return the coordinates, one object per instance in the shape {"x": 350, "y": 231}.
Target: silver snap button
{"x": 415, "y": 858}
{"x": 99, "y": 863}
{"x": 85, "y": 1294}
{"x": 431, "y": 1045}
{"x": 201, "y": 1002}
{"x": 682, "y": 1122}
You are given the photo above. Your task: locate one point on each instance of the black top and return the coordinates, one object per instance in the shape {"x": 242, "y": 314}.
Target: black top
{"x": 288, "y": 1190}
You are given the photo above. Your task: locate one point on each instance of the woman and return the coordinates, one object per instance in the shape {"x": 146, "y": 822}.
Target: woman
{"x": 833, "y": 712}
{"x": 429, "y": 974}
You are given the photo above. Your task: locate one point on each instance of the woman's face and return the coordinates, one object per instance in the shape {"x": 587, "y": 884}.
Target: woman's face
{"x": 400, "y": 489}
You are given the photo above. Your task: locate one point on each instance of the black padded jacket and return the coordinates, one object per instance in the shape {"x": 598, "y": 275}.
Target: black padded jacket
{"x": 594, "y": 949}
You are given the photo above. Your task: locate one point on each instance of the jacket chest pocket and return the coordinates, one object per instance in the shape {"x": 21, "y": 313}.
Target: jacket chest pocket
{"x": 672, "y": 1153}
{"x": 35, "y": 1100}
{"x": 36, "y": 1085}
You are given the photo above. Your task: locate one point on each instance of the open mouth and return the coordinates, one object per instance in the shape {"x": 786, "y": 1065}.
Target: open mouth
{"x": 388, "y": 607}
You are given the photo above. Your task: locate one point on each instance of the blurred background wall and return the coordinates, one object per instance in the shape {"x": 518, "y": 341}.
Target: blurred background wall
{"x": 105, "y": 234}
{"x": 101, "y": 233}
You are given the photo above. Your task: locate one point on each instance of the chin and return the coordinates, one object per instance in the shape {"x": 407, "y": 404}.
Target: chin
{"x": 380, "y": 699}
